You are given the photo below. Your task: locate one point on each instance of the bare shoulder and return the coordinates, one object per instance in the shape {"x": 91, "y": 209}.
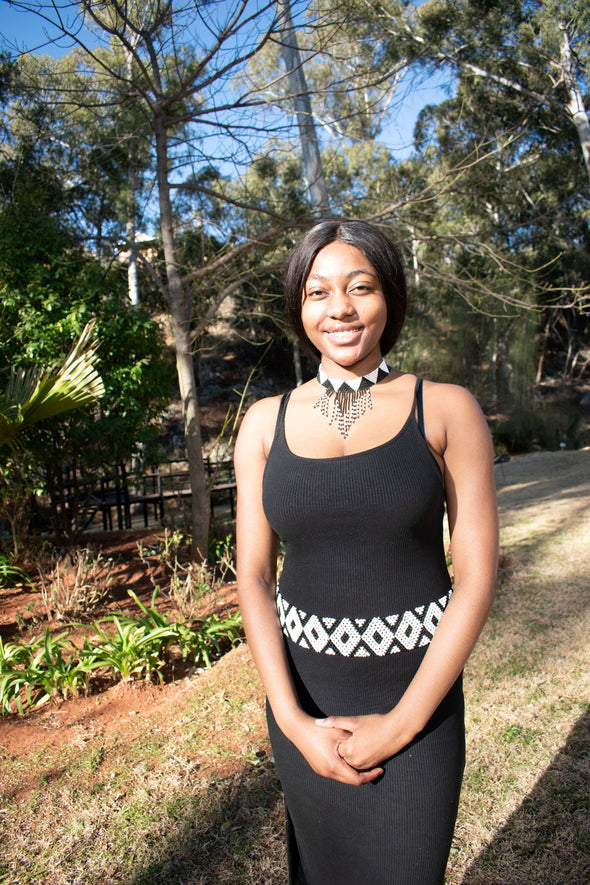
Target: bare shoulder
{"x": 455, "y": 423}
{"x": 257, "y": 428}
{"x": 451, "y": 403}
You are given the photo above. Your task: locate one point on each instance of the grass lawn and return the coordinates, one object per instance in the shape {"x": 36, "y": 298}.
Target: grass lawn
{"x": 175, "y": 785}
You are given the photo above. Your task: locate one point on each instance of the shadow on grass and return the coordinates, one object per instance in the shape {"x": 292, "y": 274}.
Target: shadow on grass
{"x": 547, "y": 840}
{"x": 542, "y": 476}
{"x": 234, "y": 834}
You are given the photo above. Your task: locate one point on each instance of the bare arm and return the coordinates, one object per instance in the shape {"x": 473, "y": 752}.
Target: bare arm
{"x": 471, "y": 500}
{"x": 256, "y": 570}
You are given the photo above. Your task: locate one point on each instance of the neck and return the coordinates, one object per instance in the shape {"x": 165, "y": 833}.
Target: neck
{"x": 363, "y": 367}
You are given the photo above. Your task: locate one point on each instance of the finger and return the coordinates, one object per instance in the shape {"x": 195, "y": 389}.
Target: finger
{"x": 358, "y": 778}
{"x": 346, "y": 723}
{"x": 346, "y": 748}
{"x": 371, "y": 775}
{"x": 361, "y": 773}
{"x": 358, "y": 761}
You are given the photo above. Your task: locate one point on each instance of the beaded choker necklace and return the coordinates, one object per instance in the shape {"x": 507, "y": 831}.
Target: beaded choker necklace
{"x": 345, "y": 401}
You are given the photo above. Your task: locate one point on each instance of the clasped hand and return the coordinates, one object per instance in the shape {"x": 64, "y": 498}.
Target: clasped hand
{"x": 350, "y": 748}
{"x": 368, "y": 741}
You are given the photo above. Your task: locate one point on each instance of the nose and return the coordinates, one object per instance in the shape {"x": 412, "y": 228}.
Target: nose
{"x": 340, "y": 304}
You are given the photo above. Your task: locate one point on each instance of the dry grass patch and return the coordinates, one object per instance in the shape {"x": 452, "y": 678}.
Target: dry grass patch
{"x": 525, "y": 811}
{"x": 185, "y": 792}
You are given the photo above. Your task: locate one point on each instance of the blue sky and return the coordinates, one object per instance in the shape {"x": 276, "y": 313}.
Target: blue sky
{"x": 23, "y": 30}
{"x": 26, "y": 31}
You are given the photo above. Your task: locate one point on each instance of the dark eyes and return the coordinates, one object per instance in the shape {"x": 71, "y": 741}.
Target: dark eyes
{"x": 356, "y": 289}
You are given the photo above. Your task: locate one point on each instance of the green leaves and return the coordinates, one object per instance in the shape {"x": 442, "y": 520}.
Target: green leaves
{"x": 207, "y": 641}
{"x": 33, "y": 394}
{"x": 131, "y": 651}
{"x": 30, "y": 674}
{"x": 126, "y": 647}
{"x": 10, "y": 573}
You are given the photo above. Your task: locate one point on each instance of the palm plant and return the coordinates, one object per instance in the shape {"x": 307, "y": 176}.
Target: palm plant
{"x": 34, "y": 394}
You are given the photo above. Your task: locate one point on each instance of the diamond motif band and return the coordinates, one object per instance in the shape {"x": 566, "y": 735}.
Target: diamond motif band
{"x": 362, "y": 637}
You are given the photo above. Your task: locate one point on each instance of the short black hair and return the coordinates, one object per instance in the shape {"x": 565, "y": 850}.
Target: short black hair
{"x": 382, "y": 253}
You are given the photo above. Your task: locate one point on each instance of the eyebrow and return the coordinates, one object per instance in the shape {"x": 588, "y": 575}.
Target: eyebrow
{"x": 349, "y": 276}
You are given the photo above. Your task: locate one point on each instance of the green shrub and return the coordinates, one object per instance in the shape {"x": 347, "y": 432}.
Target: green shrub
{"x": 126, "y": 647}
{"x": 11, "y": 574}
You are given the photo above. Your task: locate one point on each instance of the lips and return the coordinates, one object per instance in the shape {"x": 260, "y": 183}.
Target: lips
{"x": 345, "y": 334}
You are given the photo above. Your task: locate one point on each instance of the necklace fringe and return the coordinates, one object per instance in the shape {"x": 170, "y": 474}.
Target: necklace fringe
{"x": 343, "y": 402}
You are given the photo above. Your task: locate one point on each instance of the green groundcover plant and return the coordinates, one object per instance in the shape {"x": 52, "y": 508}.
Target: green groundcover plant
{"x": 125, "y": 647}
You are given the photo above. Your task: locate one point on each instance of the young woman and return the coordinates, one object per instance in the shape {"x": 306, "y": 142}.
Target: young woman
{"x": 361, "y": 648}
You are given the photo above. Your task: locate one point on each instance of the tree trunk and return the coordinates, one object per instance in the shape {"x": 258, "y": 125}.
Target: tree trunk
{"x": 310, "y": 148}
{"x": 494, "y": 369}
{"x": 297, "y": 363}
{"x": 543, "y": 350}
{"x": 132, "y": 281}
{"x": 575, "y": 102}
{"x": 415, "y": 262}
{"x": 570, "y": 349}
{"x": 180, "y": 306}
{"x": 312, "y": 161}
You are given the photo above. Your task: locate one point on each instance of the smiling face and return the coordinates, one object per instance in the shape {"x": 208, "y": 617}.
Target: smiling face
{"x": 344, "y": 311}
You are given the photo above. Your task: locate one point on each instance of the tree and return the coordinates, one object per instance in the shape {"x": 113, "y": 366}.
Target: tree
{"x": 207, "y": 92}
{"x": 177, "y": 65}
{"x": 34, "y": 395}
{"x": 495, "y": 199}
{"x": 299, "y": 95}
{"x": 543, "y": 57}
{"x": 534, "y": 194}
{"x": 49, "y": 290}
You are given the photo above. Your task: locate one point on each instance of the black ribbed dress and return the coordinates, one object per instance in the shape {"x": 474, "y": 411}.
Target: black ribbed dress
{"x": 363, "y": 587}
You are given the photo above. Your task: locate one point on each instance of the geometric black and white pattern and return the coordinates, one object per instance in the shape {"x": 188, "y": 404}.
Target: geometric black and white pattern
{"x": 362, "y": 637}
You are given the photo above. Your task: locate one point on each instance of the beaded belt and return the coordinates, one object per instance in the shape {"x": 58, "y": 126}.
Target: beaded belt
{"x": 362, "y": 637}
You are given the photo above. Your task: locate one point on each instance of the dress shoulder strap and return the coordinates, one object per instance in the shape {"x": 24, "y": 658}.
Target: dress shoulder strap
{"x": 282, "y": 408}
{"x": 419, "y": 406}
{"x": 279, "y": 433}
